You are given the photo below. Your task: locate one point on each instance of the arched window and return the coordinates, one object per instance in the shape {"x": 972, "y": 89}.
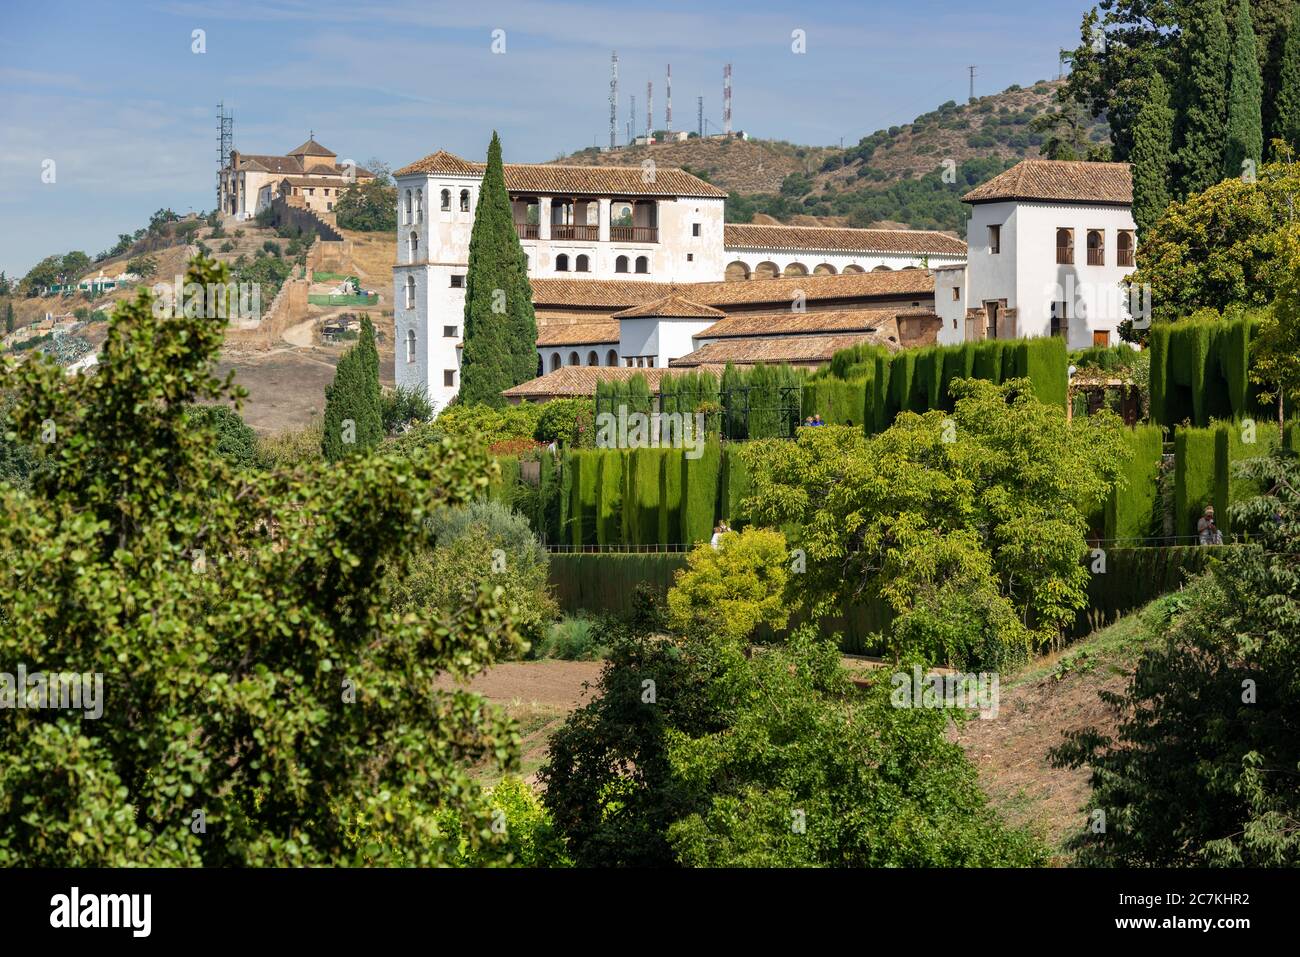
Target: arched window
{"x": 611, "y": 357}
{"x": 824, "y": 269}
{"x": 593, "y": 358}
{"x": 446, "y": 199}
{"x": 583, "y": 264}
{"x": 1124, "y": 247}
{"x": 410, "y": 345}
{"x": 410, "y": 293}
{"x": 413, "y": 245}
{"x": 766, "y": 270}
{"x": 464, "y": 201}
{"x": 562, "y": 263}
{"x": 882, "y": 268}
{"x": 620, "y": 264}
{"x": 1096, "y": 248}
{"x": 796, "y": 269}
{"x": 407, "y": 218}
{"x": 737, "y": 271}
{"x": 1065, "y": 247}
{"x": 419, "y": 205}
{"x": 853, "y": 269}
{"x": 574, "y": 360}
{"x": 642, "y": 263}
{"x": 555, "y": 361}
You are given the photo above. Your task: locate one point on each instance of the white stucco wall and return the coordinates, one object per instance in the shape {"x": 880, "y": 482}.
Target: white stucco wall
{"x": 812, "y": 258}
{"x": 951, "y": 311}
{"x": 665, "y": 339}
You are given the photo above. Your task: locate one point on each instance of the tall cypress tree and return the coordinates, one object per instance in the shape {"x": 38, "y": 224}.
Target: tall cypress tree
{"x": 354, "y": 396}
{"x": 500, "y": 348}
{"x": 1269, "y": 19}
{"x": 1287, "y": 104}
{"x": 1203, "y": 96}
{"x": 1245, "y": 117}
{"x": 1152, "y": 155}
{"x": 9, "y": 316}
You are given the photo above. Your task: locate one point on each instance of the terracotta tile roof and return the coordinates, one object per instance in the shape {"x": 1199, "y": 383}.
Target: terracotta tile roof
{"x": 832, "y": 239}
{"x": 312, "y": 148}
{"x": 1059, "y": 181}
{"x": 325, "y": 179}
{"x": 801, "y": 349}
{"x": 830, "y": 321}
{"x": 589, "y": 180}
{"x": 675, "y": 306}
{"x": 270, "y": 164}
{"x": 577, "y": 334}
{"x": 581, "y": 381}
{"x": 616, "y": 293}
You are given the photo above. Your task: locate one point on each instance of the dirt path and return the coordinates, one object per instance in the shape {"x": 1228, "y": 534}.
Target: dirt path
{"x": 550, "y": 684}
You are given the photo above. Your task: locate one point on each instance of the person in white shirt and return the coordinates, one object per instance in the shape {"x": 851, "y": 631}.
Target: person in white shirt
{"x": 717, "y": 536}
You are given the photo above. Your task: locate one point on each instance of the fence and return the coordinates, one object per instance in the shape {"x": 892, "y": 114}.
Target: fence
{"x": 322, "y": 300}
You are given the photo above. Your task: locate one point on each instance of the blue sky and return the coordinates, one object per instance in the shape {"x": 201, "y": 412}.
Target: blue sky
{"x": 113, "y": 93}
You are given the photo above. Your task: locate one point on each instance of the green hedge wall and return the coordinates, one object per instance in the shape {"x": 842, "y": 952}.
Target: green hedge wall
{"x": 838, "y": 402}
{"x": 735, "y": 485}
{"x": 1136, "y": 576}
{"x": 1133, "y": 512}
{"x": 1230, "y": 447}
{"x": 606, "y": 581}
{"x": 700, "y": 493}
{"x": 1194, "y": 476}
{"x": 609, "y": 498}
{"x": 1199, "y": 371}
{"x": 670, "y": 496}
{"x": 641, "y": 491}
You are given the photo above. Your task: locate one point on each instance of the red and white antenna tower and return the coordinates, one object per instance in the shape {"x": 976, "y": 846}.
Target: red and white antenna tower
{"x": 726, "y": 99}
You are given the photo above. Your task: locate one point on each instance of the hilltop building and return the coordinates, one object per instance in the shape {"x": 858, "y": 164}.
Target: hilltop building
{"x": 636, "y": 269}
{"x": 309, "y": 176}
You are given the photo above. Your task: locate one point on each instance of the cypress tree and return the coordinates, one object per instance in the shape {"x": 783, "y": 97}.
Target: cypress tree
{"x": 1269, "y": 18}
{"x": 500, "y": 348}
{"x": 1287, "y": 105}
{"x": 1152, "y": 155}
{"x": 353, "y": 395}
{"x": 1245, "y": 130}
{"x": 1203, "y": 96}
{"x": 9, "y": 316}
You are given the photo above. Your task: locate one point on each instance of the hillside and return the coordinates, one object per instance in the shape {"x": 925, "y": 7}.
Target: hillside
{"x": 889, "y": 178}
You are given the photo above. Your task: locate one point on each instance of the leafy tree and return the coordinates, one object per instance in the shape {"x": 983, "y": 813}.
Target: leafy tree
{"x": 732, "y": 589}
{"x": 1271, "y": 19}
{"x": 235, "y": 441}
{"x": 9, "y": 316}
{"x": 1218, "y": 249}
{"x": 402, "y": 407}
{"x": 1152, "y": 156}
{"x": 353, "y": 421}
{"x": 1275, "y": 350}
{"x": 1065, "y": 131}
{"x": 500, "y": 348}
{"x": 1205, "y": 775}
{"x": 143, "y": 266}
{"x": 1123, "y": 44}
{"x": 44, "y": 274}
{"x": 1245, "y": 131}
{"x": 970, "y": 524}
{"x": 253, "y": 668}
{"x": 370, "y": 206}
{"x": 1202, "y": 98}
{"x": 568, "y": 421}
{"x": 1286, "y": 118}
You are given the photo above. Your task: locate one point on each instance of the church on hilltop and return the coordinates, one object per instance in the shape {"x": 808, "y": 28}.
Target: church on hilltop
{"x": 634, "y": 272}
{"x": 309, "y": 176}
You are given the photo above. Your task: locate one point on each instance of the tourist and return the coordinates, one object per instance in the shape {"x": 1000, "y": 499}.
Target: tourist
{"x": 1207, "y": 532}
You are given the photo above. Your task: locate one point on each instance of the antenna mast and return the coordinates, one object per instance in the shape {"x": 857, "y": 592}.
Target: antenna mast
{"x": 668, "y": 116}
{"x": 726, "y": 99}
{"x": 699, "y": 115}
{"x": 649, "y": 109}
{"x": 225, "y": 141}
{"x": 613, "y": 97}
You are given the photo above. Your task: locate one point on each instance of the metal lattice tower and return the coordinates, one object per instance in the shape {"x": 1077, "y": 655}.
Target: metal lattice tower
{"x": 668, "y": 94}
{"x": 631, "y": 121}
{"x": 649, "y": 109}
{"x": 699, "y": 115}
{"x": 726, "y": 99}
{"x": 225, "y": 141}
{"x": 613, "y": 97}
{"x": 972, "y": 81}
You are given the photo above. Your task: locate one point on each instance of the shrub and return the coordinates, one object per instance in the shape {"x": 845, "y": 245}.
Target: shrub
{"x": 235, "y": 441}
{"x": 403, "y": 406}
{"x": 734, "y": 588}
{"x": 572, "y": 639}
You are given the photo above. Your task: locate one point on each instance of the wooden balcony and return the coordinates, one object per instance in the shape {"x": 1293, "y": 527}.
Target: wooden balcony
{"x": 574, "y": 232}
{"x": 1065, "y": 255}
{"x": 634, "y": 234}
{"x": 526, "y": 230}
{"x": 1096, "y": 256}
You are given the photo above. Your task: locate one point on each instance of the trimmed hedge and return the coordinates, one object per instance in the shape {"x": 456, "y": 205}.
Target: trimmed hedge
{"x": 606, "y": 581}
{"x": 1230, "y": 447}
{"x": 735, "y": 485}
{"x": 1136, "y": 576}
{"x": 838, "y": 402}
{"x": 1133, "y": 512}
{"x": 670, "y": 496}
{"x": 609, "y": 498}
{"x": 1199, "y": 371}
{"x": 1194, "y": 476}
{"x": 700, "y": 493}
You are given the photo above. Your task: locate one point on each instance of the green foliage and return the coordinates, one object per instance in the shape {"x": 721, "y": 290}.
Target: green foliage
{"x": 353, "y": 421}
{"x": 566, "y": 421}
{"x": 1133, "y": 506}
{"x": 1234, "y": 443}
{"x": 500, "y": 348}
{"x": 701, "y": 479}
{"x": 1245, "y": 133}
{"x": 609, "y": 497}
{"x": 669, "y": 513}
{"x": 232, "y": 439}
{"x": 369, "y": 207}
{"x": 607, "y": 581}
{"x": 252, "y": 663}
{"x": 1202, "y": 96}
{"x": 1202, "y": 777}
{"x": 572, "y": 639}
{"x": 969, "y": 524}
{"x": 402, "y": 407}
{"x": 1152, "y": 155}
{"x": 288, "y": 450}
{"x": 1275, "y": 352}
{"x": 734, "y": 588}
{"x": 482, "y": 423}
{"x": 1194, "y": 477}
{"x": 1200, "y": 370}
{"x": 1286, "y": 123}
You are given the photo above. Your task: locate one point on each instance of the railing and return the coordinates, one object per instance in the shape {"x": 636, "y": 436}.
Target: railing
{"x": 1064, "y": 255}
{"x": 526, "y": 230}
{"x": 634, "y": 234}
{"x": 1125, "y": 257}
{"x": 1096, "y": 257}
{"x": 559, "y": 231}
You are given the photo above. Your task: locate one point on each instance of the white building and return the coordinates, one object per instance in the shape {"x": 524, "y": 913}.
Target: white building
{"x": 249, "y": 182}
{"x": 1050, "y": 242}
{"x": 757, "y": 251}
